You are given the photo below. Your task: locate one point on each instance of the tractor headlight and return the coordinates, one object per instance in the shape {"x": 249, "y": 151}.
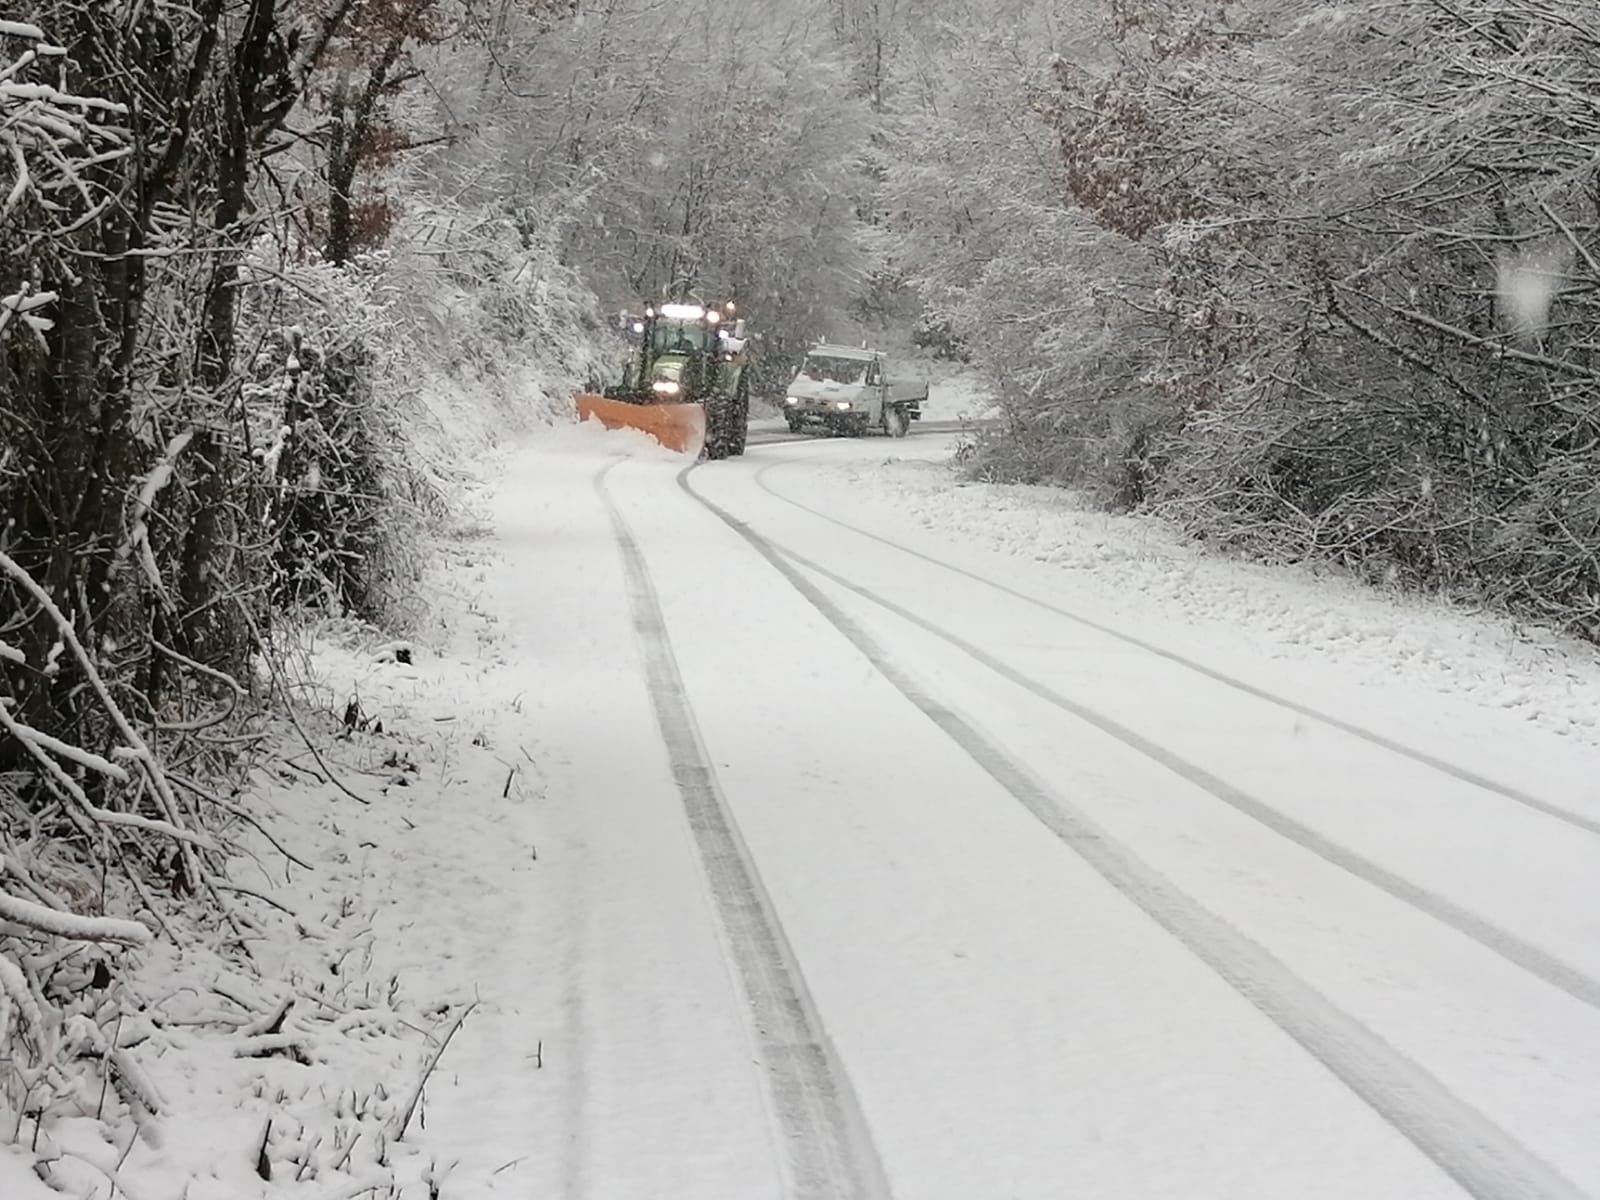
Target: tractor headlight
{"x": 791, "y": 400}
{"x": 842, "y": 405}
{"x": 665, "y": 387}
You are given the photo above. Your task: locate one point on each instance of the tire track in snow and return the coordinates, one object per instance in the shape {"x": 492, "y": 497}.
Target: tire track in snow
{"x": 826, "y": 1149}
{"x": 1507, "y": 945}
{"x": 1487, "y": 1162}
{"x": 1393, "y": 746}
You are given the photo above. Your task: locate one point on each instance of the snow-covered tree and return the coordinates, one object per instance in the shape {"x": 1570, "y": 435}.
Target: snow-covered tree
{"x": 1314, "y": 280}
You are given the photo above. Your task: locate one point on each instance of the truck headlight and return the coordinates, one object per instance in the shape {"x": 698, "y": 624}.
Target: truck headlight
{"x": 665, "y": 387}
{"x": 842, "y": 405}
{"x": 791, "y": 400}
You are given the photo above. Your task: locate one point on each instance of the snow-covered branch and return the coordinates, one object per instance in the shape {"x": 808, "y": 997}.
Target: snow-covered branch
{"x": 70, "y": 925}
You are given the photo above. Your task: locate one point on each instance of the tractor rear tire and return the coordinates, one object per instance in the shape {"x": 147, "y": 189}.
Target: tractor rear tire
{"x": 728, "y": 424}
{"x": 716, "y": 435}
{"x": 739, "y": 435}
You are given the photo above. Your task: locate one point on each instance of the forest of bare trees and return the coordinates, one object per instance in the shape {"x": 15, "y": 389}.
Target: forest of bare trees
{"x": 1317, "y": 282}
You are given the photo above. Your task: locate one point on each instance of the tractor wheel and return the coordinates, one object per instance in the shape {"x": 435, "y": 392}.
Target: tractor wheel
{"x": 895, "y": 421}
{"x": 795, "y": 423}
{"x": 727, "y": 425}
{"x": 739, "y": 417}
{"x": 716, "y": 431}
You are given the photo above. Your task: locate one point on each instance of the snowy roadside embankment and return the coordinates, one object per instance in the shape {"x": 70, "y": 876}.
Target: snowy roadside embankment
{"x": 1144, "y": 576}
{"x": 282, "y": 1048}
{"x": 292, "y": 1055}
{"x": 252, "y": 1053}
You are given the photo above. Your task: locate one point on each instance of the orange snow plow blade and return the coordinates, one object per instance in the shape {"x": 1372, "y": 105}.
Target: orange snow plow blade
{"x": 680, "y": 427}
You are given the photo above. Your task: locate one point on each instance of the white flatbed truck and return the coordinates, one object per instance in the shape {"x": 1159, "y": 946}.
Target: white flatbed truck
{"x": 853, "y": 390}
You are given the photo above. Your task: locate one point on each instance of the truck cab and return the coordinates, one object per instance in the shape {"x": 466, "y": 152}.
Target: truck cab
{"x": 853, "y": 390}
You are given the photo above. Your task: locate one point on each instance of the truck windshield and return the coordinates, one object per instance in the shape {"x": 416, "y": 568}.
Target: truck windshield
{"x": 679, "y": 337}
{"x": 834, "y": 370}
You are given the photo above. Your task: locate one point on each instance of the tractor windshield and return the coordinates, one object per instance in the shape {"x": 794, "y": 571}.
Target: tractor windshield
{"x": 834, "y": 370}
{"x": 679, "y": 337}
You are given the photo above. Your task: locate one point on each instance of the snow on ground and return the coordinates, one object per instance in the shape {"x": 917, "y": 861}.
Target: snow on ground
{"x": 518, "y": 861}
{"x": 292, "y": 1065}
{"x": 1138, "y": 572}
{"x": 410, "y": 909}
{"x": 527, "y": 852}
{"x": 955, "y": 392}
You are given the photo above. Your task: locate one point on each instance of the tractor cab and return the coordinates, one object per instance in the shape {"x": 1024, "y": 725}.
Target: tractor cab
{"x": 680, "y": 335}
{"x": 686, "y": 353}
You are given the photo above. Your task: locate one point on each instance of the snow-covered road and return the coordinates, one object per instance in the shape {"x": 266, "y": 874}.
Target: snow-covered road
{"x": 879, "y": 863}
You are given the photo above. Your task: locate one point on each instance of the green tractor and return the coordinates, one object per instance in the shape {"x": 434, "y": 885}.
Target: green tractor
{"x": 693, "y": 354}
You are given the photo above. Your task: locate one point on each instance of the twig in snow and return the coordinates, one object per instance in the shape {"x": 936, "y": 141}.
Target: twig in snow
{"x": 118, "y": 1187}
{"x": 272, "y": 1022}
{"x": 288, "y": 704}
{"x": 240, "y": 890}
{"x": 305, "y": 1159}
{"x": 370, "y": 1182}
{"x": 422, "y": 1082}
{"x": 263, "y": 1163}
{"x": 289, "y": 762}
{"x": 344, "y": 1156}
{"x": 264, "y": 1044}
{"x": 227, "y": 806}
{"x": 105, "y": 1069}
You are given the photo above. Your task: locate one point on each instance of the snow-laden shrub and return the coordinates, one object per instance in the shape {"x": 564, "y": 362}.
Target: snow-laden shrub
{"x": 85, "y": 833}
{"x": 496, "y": 330}
{"x": 370, "y": 384}
{"x": 342, "y": 507}
{"x": 104, "y": 549}
{"x": 1038, "y": 302}
{"x": 1400, "y": 373}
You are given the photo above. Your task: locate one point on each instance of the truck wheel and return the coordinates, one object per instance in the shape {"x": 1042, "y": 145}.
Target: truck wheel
{"x": 895, "y": 420}
{"x": 795, "y": 423}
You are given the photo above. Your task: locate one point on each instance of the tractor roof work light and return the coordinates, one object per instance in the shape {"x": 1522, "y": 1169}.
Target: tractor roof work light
{"x": 683, "y": 312}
